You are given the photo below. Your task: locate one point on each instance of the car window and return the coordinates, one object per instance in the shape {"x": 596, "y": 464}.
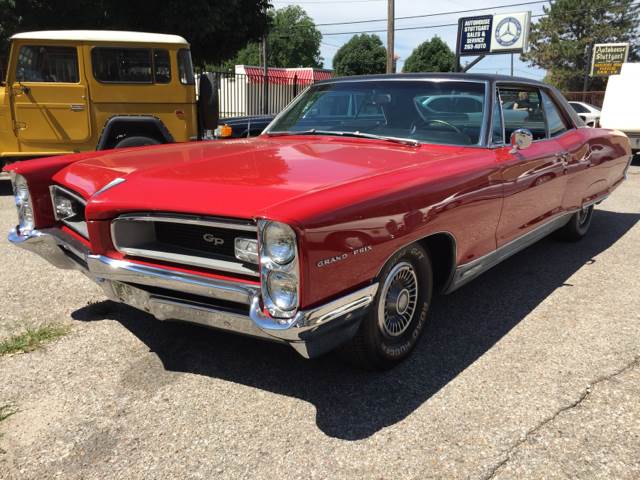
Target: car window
{"x": 522, "y": 108}
{"x": 122, "y": 65}
{"x": 39, "y": 63}
{"x": 445, "y": 112}
{"x": 161, "y": 66}
{"x": 579, "y": 108}
{"x": 497, "y": 130}
{"x": 556, "y": 123}
{"x": 185, "y": 67}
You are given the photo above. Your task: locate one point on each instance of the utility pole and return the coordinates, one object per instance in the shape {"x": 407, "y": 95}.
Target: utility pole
{"x": 390, "y": 34}
{"x": 265, "y": 87}
{"x": 512, "y": 64}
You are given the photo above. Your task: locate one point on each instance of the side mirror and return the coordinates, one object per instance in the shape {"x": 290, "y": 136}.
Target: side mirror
{"x": 521, "y": 139}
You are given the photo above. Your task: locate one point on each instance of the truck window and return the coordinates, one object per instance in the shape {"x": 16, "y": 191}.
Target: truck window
{"x": 122, "y": 65}
{"x": 161, "y": 66}
{"x": 39, "y": 63}
{"x": 185, "y": 67}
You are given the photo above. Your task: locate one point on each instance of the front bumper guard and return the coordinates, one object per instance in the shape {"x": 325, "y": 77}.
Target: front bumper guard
{"x": 172, "y": 295}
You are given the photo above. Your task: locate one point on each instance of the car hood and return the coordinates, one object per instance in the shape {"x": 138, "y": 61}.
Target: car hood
{"x": 236, "y": 178}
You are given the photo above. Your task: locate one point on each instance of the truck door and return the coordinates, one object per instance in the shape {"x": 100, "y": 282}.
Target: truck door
{"x": 49, "y": 98}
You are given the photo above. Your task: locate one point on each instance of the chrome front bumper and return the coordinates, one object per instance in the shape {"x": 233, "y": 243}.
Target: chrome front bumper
{"x": 227, "y": 305}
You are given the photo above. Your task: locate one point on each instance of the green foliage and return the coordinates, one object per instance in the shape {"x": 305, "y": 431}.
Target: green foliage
{"x": 431, "y": 56}
{"x": 293, "y": 41}
{"x": 215, "y": 29}
{"x": 559, "y": 40}
{"x": 363, "y": 54}
{"x": 32, "y": 338}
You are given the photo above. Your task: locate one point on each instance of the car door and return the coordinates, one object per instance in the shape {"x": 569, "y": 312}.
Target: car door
{"x": 534, "y": 179}
{"x": 48, "y": 98}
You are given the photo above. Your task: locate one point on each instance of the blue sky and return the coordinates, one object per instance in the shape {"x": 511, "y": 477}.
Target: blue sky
{"x": 330, "y": 11}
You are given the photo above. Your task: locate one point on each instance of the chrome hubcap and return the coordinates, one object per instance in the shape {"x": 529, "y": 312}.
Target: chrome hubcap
{"x": 583, "y": 216}
{"x": 398, "y": 300}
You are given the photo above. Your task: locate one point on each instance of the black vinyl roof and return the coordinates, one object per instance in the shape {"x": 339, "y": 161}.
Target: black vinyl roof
{"x": 482, "y": 77}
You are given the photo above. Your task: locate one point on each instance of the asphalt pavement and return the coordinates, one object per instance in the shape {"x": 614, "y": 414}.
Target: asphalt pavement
{"x": 530, "y": 371}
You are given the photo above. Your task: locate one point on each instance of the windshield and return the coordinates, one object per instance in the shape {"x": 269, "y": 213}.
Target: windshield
{"x": 429, "y": 111}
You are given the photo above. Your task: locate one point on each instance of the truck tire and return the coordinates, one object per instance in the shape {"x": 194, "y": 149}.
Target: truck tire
{"x": 398, "y": 315}
{"x": 136, "y": 142}
{"x": 577, "y": 227}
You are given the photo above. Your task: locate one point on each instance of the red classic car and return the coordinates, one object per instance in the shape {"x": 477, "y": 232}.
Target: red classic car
{"x": 336, "y": 225}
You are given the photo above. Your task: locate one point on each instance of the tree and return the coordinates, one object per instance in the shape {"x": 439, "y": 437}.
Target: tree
{"x": 293, "y": 41}
{"x": 560, "y": 40}
{"x": 215, "y": 29}
{"x": 431, "y": 56}
{"x": 363, "y": 54}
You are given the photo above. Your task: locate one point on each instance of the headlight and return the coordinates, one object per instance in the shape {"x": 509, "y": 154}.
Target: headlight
{"x": 283, "y": 290}
{"x": 279, "y": 270}
{"x": 279, "y": 242}
{"x": 23, "y": 204}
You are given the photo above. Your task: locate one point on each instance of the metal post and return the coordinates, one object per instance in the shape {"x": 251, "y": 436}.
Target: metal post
{"x": 265, "y": 87}
{"x": 512, "y": 64}
{"x": 295, "y": 85}
{"x": 390, "y": 35}
{"x": 587, "y": 69}
{"x": 456, "y": 67}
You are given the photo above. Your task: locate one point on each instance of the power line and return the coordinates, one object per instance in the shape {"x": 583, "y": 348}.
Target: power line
{"x": 436, "y": 14}
{"x": 326, "y": 2}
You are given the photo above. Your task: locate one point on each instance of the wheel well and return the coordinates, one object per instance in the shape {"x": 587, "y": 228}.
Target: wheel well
{"x": 442, "y": 250}
{"x": 119, "y": 128}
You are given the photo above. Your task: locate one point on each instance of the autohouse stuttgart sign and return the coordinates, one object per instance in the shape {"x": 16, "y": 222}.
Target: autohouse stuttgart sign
{"x": 492, "y": 34}
{"x": 608, "y": 58}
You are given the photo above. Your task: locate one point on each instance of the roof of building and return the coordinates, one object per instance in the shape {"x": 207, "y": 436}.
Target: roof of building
{"x": 302, "y": 75}
{"x": 101, "y": 36}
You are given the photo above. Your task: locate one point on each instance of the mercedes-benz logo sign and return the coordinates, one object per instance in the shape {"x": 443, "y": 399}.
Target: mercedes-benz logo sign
{"x": 508, "y": 31}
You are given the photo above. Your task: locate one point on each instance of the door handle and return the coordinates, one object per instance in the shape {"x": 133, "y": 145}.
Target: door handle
{"x": 77, "y": 108}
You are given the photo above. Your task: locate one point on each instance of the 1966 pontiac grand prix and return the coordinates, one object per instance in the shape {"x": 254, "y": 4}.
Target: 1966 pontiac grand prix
{"x": 336, "y": 225}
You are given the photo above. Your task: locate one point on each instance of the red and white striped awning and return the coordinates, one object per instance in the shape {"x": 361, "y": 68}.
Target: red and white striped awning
{"x": 284, "y": 76}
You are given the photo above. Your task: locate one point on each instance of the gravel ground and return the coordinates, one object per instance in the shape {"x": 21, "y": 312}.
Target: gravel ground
{"x": 531, "y": 371}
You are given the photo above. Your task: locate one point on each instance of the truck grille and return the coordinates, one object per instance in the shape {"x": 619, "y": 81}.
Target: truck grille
{"x": 198, "y": 241}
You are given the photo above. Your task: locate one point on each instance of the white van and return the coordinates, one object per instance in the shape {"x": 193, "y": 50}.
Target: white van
{"x": 621, "y": 107}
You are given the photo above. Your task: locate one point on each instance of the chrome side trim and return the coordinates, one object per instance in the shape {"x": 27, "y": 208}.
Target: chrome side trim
{"x": 189, "y": 220}
{"x": 111, "y": 184}
{"x": 467, "y": 272}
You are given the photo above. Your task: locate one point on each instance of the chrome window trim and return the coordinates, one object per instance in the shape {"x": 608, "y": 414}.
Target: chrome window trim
{"x": 52, "y": 189}
{"x": 202, "y": 262}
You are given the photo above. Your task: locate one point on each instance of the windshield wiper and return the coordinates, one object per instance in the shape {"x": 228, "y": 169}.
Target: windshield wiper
{"x": 313, "y": 131}
{"x": 403, "y": 141}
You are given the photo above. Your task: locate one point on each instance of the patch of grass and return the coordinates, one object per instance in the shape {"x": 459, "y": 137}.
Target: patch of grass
{"x": 32, "y": 338}
{"x": 6, "y": 411}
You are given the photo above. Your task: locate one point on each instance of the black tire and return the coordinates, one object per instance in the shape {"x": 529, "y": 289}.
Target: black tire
{"x": 385, "y": 339}
{"x": 577, "y": 227}
{"x": 136, "y": 142}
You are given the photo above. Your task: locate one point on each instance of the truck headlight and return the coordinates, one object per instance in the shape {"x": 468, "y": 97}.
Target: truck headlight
{"x": 279, "y": 271}
{"x": 23, "y": 204}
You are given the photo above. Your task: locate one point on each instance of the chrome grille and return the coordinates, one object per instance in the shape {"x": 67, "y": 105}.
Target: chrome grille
{"x": 198, "y": 241}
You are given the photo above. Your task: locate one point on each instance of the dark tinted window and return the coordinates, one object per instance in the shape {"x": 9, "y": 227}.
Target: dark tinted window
{"x": 122, "y": 65}
{"x": 557, "y": 124}
{"x": 579, "y": 108}
{"x": 185, "y": 67}
{"x": 497, "y": 131}
{"x": 161, "y": 66}
{"x": 47, "y": 64}
{"x": 522, "y": 108}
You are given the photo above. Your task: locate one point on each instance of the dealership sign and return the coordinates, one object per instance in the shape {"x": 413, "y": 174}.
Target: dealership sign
{"x": 493, "y": 34}
{"x": 608, "y": 58}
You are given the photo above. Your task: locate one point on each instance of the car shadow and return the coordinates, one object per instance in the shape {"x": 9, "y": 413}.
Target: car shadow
{"x": 352, "y": 404}
{"x": 5, "y": 187}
